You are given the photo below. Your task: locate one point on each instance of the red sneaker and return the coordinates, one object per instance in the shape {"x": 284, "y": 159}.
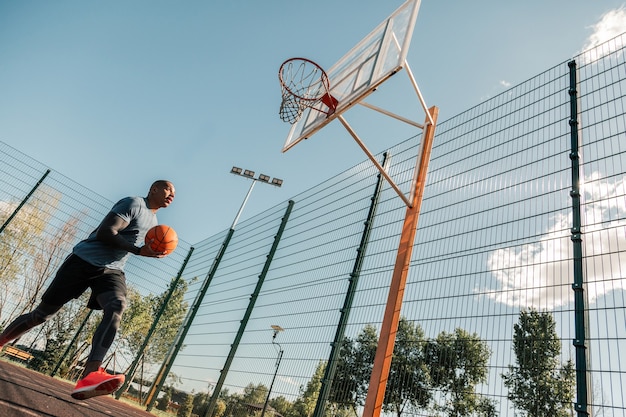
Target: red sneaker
{"x": 97, "y": 383}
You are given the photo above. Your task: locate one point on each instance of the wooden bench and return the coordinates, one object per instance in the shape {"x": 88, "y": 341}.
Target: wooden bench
{"x": 17, "y": 353}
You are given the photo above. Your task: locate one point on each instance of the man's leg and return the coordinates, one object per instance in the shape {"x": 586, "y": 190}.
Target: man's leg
{"x": 27, "y": 321}
{"x": 95, "y": 381}
{"x": 113, "y": 305}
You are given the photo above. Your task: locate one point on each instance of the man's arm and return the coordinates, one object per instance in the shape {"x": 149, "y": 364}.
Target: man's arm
{"x": 108, "y": 232}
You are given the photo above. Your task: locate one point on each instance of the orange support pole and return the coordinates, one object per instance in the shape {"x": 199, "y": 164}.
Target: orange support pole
{"x": 387, "y": 339}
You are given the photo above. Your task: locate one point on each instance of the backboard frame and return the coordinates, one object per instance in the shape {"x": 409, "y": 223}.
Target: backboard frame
{"x": 380, "y": 55}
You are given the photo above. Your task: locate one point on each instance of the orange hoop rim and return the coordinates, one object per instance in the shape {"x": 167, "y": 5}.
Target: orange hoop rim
{"x": 323, "y": 78}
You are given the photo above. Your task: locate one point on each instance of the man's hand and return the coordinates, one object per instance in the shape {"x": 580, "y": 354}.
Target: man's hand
{"x": 146, "y": 250}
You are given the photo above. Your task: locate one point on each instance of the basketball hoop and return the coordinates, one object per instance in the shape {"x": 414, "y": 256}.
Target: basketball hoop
{"x": 304, "y": 84}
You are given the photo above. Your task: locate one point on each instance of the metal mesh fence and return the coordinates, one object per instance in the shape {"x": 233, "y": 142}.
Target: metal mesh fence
{"x": 493, "y": 247}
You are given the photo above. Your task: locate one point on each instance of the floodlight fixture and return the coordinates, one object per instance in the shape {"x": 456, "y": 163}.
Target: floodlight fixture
{"x": 277, "y": 182}
{"x": 246, "y": 173}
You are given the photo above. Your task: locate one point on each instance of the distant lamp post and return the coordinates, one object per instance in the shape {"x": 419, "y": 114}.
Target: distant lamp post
{"x": 209, "y": 392}
{"x": 276, "y": 329}
{"x": 246, "y": 173}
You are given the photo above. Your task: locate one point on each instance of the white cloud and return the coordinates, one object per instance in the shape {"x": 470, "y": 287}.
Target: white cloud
{"x": 610, "y": 25}
{"x": 540, "y": 274}
{"x": 288, "y": 380}
{"x": 505, "y": 83}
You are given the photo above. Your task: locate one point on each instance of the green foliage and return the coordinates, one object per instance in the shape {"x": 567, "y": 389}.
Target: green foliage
{"x": 458, "y": 362}
{"x": 29, "y": 255}
{"x": 281, "y": 405}
{"x": 186, "y": 407}
{"x": 164, "y": 401}
{"x": 16, "y": 245}
{"x": 305, "y": 404}
{"x": 59, "y": 331}
{"x": 539, "y": 385}
{"x": 254, "y": 394}
{"x": 356, "y": 359}
{"x": 200, "y": 403}
{"x": 241, "y": 404}
{"x": 451, "y": 365}
{"x": 45, "y": 361}
{"x": 140, "y": 315}
{"x": 136, "y": 320}
{"x": 170, "y": 321}
{"x": 409, "y": 378}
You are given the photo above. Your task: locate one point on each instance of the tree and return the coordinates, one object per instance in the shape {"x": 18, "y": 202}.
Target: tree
{"x": 136, "y": 320}
{"x": 437, "y": 376}
{"x": 32, "y": 248}
{"x": 281, "y": 405}
{"x": 409, "y": 377}
{"x": 140, "y": 314}
{"x": 354, "y": 367}
{"x": 408, "y": 383}
{"x": 164, "y": 402}
{"x": 458, "y": 362}
{"x": 238, "y": 405}
{"x": 168, "y": 391}
{"x": 186, "y": 406}
{"x": 305, "y": 404}
{"x": 57, "y": 334}
{"x": 539, "y": 385}
{"x": 49, "y": 254}
{"x": 201, "y": 403}
{"x": 254, "y": 394}
{"x": 19, "y": 245}
{"x": 170, "y": 321}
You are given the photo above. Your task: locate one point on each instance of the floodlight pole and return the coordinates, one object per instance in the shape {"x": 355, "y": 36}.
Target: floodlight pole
{"x": 243, "y": 204}
{"x": 233, "y": 348}
{"x": 250, "y": 175}
{"x": 180, "y": 337}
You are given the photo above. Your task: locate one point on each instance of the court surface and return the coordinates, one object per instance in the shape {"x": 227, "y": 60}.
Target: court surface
{"x": 26, "y": 393}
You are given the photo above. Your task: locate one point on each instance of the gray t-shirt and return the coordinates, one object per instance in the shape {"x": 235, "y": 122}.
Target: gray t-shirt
{"x": 140, "y": 218}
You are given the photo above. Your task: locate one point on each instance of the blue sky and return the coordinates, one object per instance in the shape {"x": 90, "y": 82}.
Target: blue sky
{"x": 116, "y": 94}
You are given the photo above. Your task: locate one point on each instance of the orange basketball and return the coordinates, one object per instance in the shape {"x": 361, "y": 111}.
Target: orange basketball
{"x": 165, "y": 238}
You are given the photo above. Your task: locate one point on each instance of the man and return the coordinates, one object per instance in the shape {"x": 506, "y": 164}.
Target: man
{"x": 98, "y": 263}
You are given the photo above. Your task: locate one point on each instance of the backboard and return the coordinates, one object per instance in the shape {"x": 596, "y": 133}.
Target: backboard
{"x": 381, "y": 54}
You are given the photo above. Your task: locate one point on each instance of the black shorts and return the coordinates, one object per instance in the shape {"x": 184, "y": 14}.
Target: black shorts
{"x": 76, "y": 275}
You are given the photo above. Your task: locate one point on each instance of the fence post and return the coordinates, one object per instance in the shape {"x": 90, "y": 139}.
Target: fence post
{"x": 580, "y": 307}
{"x": 19, "y": 207}
{"x": 246, "y": 317}
{"x": 331, "y": 368}
{"x": 133, "y": 366}
{"x": 180, "y": 337}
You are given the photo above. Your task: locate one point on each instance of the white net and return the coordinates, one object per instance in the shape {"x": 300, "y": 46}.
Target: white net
{"x": 303, "y": 83}
{"x": 290, "y": 108}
